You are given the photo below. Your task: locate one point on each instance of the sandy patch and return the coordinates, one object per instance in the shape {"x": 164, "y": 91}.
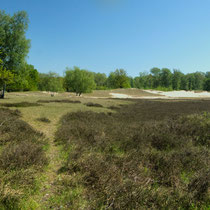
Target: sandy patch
{"x": 120, "y": 95}
{"x": 181, "y": 94}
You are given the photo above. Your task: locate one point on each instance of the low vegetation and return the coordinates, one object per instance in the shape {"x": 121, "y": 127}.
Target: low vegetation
{"x": 59, "y": 101}
{"x": 151, "y": 154}
{"x": 20, "y": 104}
{"x": 22, "y": 158}
{"x": 93, "y": 104}
{"x": 43, "y": 119}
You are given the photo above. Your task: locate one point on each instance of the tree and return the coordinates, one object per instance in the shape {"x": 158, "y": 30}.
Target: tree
{"x": 184, "y": 83}
{"x": 100, "y": 80}
{"x": 156, "y": 76}
{"x": 6, "y": 77}
{"x": 14, "y": 46}
{"x": 79, "y": 80}
{"x": 176, "y": 79}
{"x": 131, "y": 82}
{"x": 166, "y": 78}
{"x": 199, "y": 80}
{"x": 50, "y": 82}
{"x": 118, "y": 79}
{"x": 26, "y": 79}
{"x": 207, "y": 84}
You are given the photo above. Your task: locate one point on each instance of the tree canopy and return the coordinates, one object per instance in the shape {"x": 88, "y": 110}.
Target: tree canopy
{"x": 50, "y": 82}
{"x": 14, "y": 45}
{"x": 79, "y": 80}
{"x": 118, "y": 79}
{"x": 6, "y": 77}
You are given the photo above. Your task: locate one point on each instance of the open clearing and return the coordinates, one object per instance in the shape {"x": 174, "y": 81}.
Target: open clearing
{"x": 106, "y": 153}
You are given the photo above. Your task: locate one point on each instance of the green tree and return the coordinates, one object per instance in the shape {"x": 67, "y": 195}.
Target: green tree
{"x": 79, "y": 80}
{"x": 207, "y": 84}
{"x": 199, "y": 78}
{"x": 176, "y": 79}
{"x": 26, "y": 79}
{"x": 184, "y": 83}
{"x": 14, "y": 46}
{"x": 166, "y": 78}
{"x": 131, "y": 82}
{"x": 50, "y": 82}
{"x": 118, "y": 79}
{"x": 100, "y": 80}
{"x": 13, "y": 43}
{"x": 156, "y": 76}
{"x": 6, "y": 77}
{"x": 142, "y": 81}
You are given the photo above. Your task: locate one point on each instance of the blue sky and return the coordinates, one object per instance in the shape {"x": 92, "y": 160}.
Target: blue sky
{"x": 102, "y": 35}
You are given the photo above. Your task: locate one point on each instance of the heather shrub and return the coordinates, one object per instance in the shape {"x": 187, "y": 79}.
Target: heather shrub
{"x": 43, "y": 119}
{"x": 60, "y": 101}
{"x": 137, "y": 158}
{"x": 93, "y": 104}
{"x": 22, "y": 158}
{"x": 22, "y": 155}
{"x": 21, "y": 104}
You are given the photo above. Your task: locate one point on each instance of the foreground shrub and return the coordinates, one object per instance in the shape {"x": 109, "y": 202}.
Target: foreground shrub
{"x": 22, "y": 158}
{"x": 127, "y": 160}
{"x": 22, "y": 155}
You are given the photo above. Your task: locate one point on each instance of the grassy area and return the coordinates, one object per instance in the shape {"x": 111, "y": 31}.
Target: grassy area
{"x": 95, "y": 153}
{"x": 131, "y": 91}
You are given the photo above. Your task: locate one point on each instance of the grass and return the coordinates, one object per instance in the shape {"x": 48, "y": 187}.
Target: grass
{"x": 127, "y": 154}
{"x": 131, "y": 91}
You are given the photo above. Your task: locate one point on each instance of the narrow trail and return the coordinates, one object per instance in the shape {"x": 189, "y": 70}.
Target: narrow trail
{"x": 55, "y": 163}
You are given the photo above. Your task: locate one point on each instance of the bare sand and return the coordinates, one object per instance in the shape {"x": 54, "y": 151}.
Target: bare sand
{"x": 166, "y": 95}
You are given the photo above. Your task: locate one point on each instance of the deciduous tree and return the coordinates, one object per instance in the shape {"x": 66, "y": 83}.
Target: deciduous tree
{"x": 79, "y": 80}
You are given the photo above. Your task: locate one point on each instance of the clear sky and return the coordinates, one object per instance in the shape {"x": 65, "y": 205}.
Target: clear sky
{"x": 102, "y": 35}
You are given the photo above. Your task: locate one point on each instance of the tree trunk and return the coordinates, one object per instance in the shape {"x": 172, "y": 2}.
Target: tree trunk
{"x": 3, "y": 91}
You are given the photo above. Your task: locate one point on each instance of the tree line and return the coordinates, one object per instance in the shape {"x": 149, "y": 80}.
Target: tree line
{"x": 17, "y": 75}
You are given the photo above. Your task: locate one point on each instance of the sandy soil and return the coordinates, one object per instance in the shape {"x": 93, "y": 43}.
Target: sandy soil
{"x": 166, "y": 95}
{"x": 181, "y": 94}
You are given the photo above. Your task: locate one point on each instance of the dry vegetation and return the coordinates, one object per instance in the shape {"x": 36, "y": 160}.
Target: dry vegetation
{"x": 125, "y": 154}
{"x": 22, "y": 158}
{"x": 151, "y": 154}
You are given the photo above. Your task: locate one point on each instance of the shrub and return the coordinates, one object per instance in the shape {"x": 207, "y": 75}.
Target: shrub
{"x": 93, "y": 104}
{"x": 21, "y": 159}
{"x": 43, "y": 119}
{"x": 21, "y": 104}
{"x": 22, "y": 155}
{"x": 143, "y": 156}
{"x": 59, "y": 101}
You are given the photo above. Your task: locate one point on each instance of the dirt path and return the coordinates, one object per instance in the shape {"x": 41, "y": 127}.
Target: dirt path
{"x": 55, "y": 163}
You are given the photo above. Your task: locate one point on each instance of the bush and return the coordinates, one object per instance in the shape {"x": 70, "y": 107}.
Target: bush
{"x": 93, "y": 104}
{"x": 22, "y": 155}
{"x": 43, "y": 119}
{"x": 141, "y": 157}
{"x": 59, "y": 101}
{"x": 22, "y": 158}
{"x": 21, "y": 104}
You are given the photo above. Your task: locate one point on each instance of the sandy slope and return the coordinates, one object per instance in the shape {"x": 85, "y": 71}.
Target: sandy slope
{"x": 166, "y": 95}
{"x": 182, "y": 94}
